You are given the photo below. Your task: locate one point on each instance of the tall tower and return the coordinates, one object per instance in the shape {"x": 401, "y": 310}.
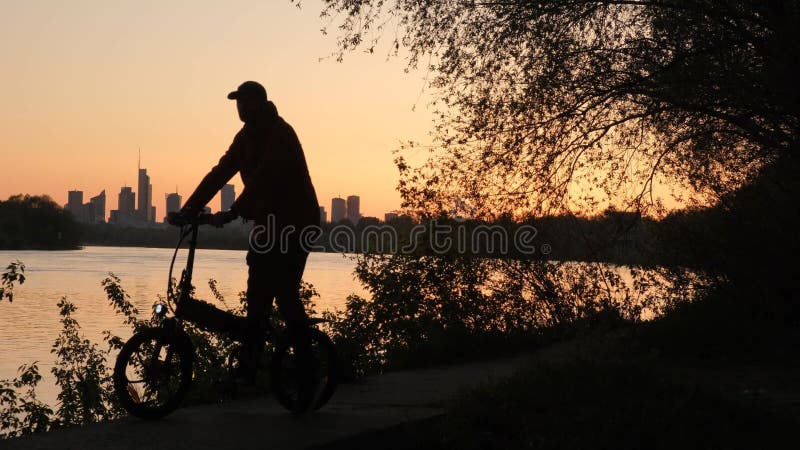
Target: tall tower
{"x": 227, "y": 196}
{"x": 143, "y": 208}
{"x": 151, "y": 212}
{"x": 338, "y": 209}
{"x": 353, "y": 208}
{"x": 323, "y": 215}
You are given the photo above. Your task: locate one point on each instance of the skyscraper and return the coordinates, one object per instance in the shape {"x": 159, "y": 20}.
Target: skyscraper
{"x": 353, "y": 208}
{"x": 338, "y": 209}
{"x": 87, "y": 212}
{"x": 173, "y": 202}
{"x": 125, "y": 212}
{"x": 323, "y": 215}
{"x": 98, "y": 203}
{"x": 227, "y": 196}
{"x": 126, "y": 201}
{"x": 143, "y": 205}
{"x": 75, "y": 203}
{"x": 151, "y": 213}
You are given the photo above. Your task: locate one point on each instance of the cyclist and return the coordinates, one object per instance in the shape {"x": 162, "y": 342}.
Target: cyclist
{"x": 278, "y": 195}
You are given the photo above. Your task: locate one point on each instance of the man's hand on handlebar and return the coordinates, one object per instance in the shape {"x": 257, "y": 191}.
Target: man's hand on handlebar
{"x": 178, "y": 218}
{"x": 184, "y": 217}
{"x": 221, "y": 218}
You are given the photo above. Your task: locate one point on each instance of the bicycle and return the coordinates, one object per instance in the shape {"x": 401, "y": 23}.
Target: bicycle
{"x": 153, "y": 371}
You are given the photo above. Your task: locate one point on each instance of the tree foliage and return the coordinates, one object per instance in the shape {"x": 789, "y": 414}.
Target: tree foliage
{"x": 36, "y": 222}
{"x": 14, "y": 273}
{"x": 21, "y": 412}
{"x": 564, "y": 103}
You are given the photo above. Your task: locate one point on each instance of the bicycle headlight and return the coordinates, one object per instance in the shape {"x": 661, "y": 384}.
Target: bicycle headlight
{"x": 160, "y": 309}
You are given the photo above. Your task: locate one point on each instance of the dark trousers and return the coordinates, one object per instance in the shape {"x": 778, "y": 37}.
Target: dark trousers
{"x": 276, "y": 275}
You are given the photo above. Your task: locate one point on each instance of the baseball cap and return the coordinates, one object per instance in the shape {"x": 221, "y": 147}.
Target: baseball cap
{"x": 250, "y": 89}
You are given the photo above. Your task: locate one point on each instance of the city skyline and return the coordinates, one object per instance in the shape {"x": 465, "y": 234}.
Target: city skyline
{"x": 224, "y": 198}
{"x": 120, "y": 88}
{"x": 138, "y": 209}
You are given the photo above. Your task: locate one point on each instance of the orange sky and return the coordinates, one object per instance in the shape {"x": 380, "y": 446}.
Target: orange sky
{"x": 84, "y": 84}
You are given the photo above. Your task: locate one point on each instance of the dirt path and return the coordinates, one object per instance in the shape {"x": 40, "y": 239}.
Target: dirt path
{"x": 376, "y": 403}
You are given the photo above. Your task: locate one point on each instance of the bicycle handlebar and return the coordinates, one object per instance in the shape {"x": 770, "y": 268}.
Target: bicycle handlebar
{"x": 181, "y": 219}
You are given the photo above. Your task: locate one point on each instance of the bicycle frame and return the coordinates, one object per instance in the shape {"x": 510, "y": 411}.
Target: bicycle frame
{"x": 196, "y": 311}
{"x": 186, "y": 276}
{"x": 204, "y": 314}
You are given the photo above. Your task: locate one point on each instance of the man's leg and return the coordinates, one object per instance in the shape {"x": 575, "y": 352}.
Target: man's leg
{"x": 287, "y": 297}
{"x": 260, "y": 292}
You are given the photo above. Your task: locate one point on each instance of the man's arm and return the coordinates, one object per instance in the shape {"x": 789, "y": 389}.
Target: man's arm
{"x": 225, "y": 169}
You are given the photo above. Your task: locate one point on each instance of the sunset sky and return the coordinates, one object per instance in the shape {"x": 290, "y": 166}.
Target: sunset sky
{"x": 85, "y": 84}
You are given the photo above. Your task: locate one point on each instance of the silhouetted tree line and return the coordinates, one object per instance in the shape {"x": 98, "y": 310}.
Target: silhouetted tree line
{"x": 36, "y": 222}
{"x": 611, "y": 237}
{"x": 107, "y": 234}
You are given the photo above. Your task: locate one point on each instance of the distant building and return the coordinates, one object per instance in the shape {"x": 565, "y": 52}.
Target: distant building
{"x": 97, "y": 214}
{"x": 173, "y": 203}
{"x": 388, "y": 217}
{"x": 338, "y": 209}
{"x": 227, "y": 197}
{"x": 126, "y": 201}
{"x": 323, "y": 215}
{"x": 353, "y": 208}
{"x": 75, "y": 203}
{"x": 87, "y": 213}
{"x": 207, "y": 210}
{"x": 151, "y": 216}
{"x": 143, "y": 205}
{"x": 126, "y": 207}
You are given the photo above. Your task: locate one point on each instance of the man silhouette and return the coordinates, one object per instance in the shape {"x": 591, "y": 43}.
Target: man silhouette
{"x": 278, "y": 195}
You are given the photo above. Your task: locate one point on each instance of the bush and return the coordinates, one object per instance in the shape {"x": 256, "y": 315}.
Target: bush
{"x": 23, "y": 413}
{"x": 434, "y": 309}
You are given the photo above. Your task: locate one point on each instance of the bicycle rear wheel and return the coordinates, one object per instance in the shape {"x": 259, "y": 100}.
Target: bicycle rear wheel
{"x": 153, "y": 372}
{"x": 283, "y": 374}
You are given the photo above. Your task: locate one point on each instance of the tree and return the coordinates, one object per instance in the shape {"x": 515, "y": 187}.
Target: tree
{"x": 563, "y": 103}
{"x": 36, "y": 222}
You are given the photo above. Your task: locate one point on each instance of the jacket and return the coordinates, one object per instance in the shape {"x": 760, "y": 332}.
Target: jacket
{"x": 267, "y": 154}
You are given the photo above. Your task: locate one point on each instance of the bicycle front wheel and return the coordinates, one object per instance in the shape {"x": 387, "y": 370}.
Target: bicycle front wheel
{"x": 153, "y": 372}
